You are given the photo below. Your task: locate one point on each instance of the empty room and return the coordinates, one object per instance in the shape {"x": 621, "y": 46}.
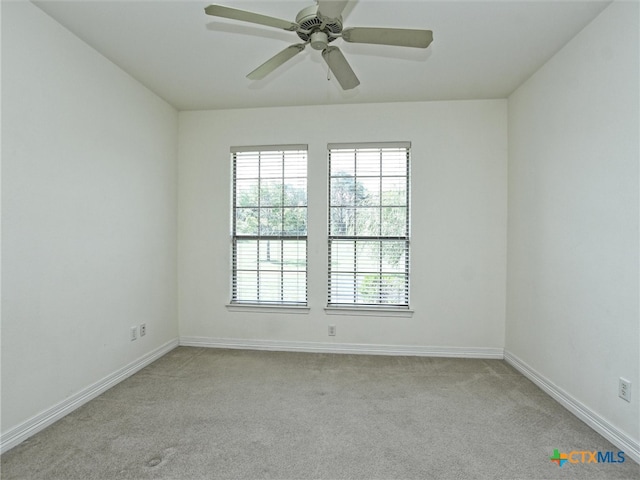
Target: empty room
{"x": 334, "y": 239}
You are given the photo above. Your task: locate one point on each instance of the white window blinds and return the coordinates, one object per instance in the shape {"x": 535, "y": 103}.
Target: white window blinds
{"x": 269, "y": 225}
{"x": 369, "y": 224}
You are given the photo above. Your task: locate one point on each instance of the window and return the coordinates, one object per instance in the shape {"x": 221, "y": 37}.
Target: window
{"x": 269, "y": 225}
{"x": 369, "y": 224}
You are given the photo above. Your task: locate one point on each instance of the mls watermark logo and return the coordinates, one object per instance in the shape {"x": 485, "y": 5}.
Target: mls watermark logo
{"x": 586, "y": 456}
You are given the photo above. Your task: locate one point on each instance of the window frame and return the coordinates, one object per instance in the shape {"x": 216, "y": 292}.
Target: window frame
{"x": 378, "y": 307}
{"x": 256, "y": 303}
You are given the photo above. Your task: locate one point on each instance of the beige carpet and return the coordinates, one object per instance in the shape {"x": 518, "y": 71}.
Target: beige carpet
{"x": 230, "y": 414}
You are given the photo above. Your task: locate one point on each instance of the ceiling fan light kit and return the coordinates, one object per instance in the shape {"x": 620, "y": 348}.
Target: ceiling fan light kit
{"x": 319, "y": 40}
{"x": 319, "y": 25}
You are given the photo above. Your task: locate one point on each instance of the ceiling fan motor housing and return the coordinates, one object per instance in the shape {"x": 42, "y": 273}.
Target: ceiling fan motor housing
{"x": 308, "y": 20}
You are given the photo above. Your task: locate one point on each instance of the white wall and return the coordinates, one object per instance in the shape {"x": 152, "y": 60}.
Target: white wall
{"x": 458, "y": 230}
{"x": 89, "y": 211}
{"x": 573, "y": 243}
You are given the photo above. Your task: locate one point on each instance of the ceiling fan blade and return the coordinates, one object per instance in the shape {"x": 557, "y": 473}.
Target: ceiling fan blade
{"x": 245, "y": 16}
{"x": 340, "y": 68}
{"x": 274, "y": 62}
{"x": 331, "y": 8}
{"x": 401, "y": 37}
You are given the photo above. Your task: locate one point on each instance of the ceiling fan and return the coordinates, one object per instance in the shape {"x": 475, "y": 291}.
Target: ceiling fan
{"x": 319, "y": 25}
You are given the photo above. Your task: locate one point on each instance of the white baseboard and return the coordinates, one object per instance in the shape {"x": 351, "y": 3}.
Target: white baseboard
{"x": 351, "y": 348}
{"x": 621, "y": 440}
{"x": 39, "y": 422}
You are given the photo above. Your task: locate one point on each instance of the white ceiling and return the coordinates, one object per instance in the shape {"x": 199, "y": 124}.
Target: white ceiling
{"x": 481, "y": 49}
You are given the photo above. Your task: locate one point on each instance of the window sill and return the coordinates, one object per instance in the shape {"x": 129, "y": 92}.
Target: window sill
{"x": 370, "y": 311}
{"x": 255, "y": 307}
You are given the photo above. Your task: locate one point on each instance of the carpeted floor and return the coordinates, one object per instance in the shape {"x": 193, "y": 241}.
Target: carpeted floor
{"x": 231, "y": 414}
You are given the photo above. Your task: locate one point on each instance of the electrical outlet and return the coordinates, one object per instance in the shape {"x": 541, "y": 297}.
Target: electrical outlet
{"x": 624, "y": 389}
{"x": 134, "y": 333}
{"x": 143, "y": 329}
{"x": 332, "y": 330}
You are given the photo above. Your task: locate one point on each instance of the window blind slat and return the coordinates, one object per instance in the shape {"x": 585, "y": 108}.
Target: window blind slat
{"x": 269, "y": 149}
{"x": 369, "y": 146}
